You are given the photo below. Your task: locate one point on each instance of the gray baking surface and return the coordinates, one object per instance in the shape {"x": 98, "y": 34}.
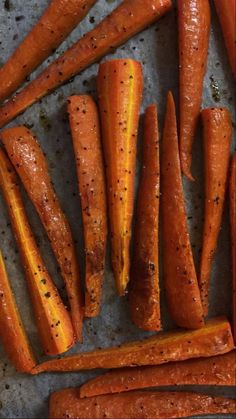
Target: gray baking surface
{"x": 22, "y": 396}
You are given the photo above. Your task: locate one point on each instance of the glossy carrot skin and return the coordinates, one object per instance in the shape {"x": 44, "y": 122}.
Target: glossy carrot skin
{"x": 85, "y": 130}
{"x": 194, "y": 29}
{"x": 144, "y": 293}
{"x": 53, "y": 321}
{"x": 180, "y": 278}
{"x": 29, "y": 161}
{"x": 129, "y": 18}
{"x": 217, "y": 137}
{"x": 213, "y": 339}
{"x": 232, "y": 197}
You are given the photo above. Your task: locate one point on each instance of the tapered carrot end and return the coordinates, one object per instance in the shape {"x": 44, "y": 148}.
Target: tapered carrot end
{"x": 185, "y": 161}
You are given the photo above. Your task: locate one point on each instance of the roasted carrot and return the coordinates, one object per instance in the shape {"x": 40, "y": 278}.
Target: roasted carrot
{"x": 213, "y": 339}
{"x": 85, "y": 130}
{"x": 120, "y": 85}
{"x": 53, "y": 321}
{"x": 29, "y": 161}
{"x": 180, "y": 278}
{"x": 57, "y": 21}
{"x": 129, "y": 18}
{"x": 144, "y": 293}
{"x": 194, "y": 28}
{"x": 217, "y": 136}
{"x": 232, "y": 196}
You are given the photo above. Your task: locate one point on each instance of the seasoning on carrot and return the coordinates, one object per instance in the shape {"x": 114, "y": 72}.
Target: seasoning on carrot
{"x": 129, "y": 18}
{"x": 214, "y": 338}
{"x": 232, "y": 196}
{"x": 144, "y": 294}
{"x": 120, "y": 85}
{"x": 180, "y": 278}
{"x": 53, "y": 321}
{"x": 29, "y": 161}
{"x": 194, "y": 29}
{"x": 85, "y": 130}
{"x": 217, "y": 136}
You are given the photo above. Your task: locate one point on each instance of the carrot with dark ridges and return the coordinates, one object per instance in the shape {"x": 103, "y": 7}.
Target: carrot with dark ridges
{"x": 232, "y": 197}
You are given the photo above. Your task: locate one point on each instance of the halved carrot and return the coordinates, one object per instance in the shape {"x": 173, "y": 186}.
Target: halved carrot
{"x": 30, "y": 163}
{"x": 85, "y": 130}
{"x": 144, "y": 293}
{"x": 194, "y": 29}
{"x": 180, "y": 278}
{"x": 213, "y": 339}
{"x": 53, "y": 321}
{"x": 217, "y": 137}
{"x": 129, "y": 18}
{"x": 57, "y": 21}
{"x": 120, "y": 85}
{"x": 232, "y": 197}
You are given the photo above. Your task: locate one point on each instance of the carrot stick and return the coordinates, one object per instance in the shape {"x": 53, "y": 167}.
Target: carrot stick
{"x": 85, "y": 132}
{"x": 136, "y": 404}
{"x": 218, "y": 370}
{"x": 29, "y": 161}
{"x": 194, "y": 29}
{"x": 180, "y": 278}
{"x": 232, "y": 196}
{"x": 56, "y": 23}
{"x": 217, "y": 136}
{"x": 53, "y": 321}
{"x": 129, "y": 18}
{"x": 12, "y": 332}
{"x": 213, "y": 339}
{"x": 120, "y": 85}
{"x": 144, "y": 293}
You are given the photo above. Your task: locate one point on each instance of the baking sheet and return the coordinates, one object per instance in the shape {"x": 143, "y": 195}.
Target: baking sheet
{"x": 22, "y": 396}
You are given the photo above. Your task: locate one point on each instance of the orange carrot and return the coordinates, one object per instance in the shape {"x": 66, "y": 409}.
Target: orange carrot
{"x": 129, "y": 18}
{"x": 53, "y": 321}
{"x": 180, "y": 278}
{"x": 217, "y": 136}
{"x": 30, "y": 163}
{"x": 144, "y": 293}
{"x": 58, "y": 20}
{"x": 194, "y": 29}
{"x": 120, "y": 85}
{"x": 232, "y": 196}
{"x": 85, "y": 131}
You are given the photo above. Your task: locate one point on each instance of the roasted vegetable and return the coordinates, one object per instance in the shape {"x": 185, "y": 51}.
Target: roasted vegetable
{"x": 232, "y": 197}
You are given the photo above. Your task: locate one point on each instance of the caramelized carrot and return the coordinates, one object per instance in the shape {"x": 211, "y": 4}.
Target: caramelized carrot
{"x": 232, "y": 196}
{"x": 217, "y": 137}
{"x": 120, "y": 85}
{"x": 144, "y": 293}
{"x": 129, "y": 18}
{"x": 85, "y": 132}
{"x": 53, "y": 321}
{"x": 194, "y": 29}
{"x": 180, "y": 278}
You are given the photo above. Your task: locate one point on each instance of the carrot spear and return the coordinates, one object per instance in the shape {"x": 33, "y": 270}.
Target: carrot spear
{"x": 232, "y": 197}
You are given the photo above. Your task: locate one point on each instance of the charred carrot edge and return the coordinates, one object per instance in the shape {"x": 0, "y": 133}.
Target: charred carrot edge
{"x": 214, "y": 338}
{"x": 129, "y": 18}
{"x": 53, "y": 321}
{"x": 85, "y": 130}
{"x": 180, "y": 277}
{"x": 30, "y": 163}
{"x": 120, "y": 85}
{"x": 58, "y": 20}
{"x": 12, "y": 332}
{"x": 232, "y": 195}
{"x": 217, "y": 137}
{"x": 194, "y": 29}
{"x": 144, "y": 293}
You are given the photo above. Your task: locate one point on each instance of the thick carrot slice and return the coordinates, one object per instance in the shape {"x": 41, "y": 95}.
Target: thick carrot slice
{"x": 85, "y": 131}
{"x": 180, "y": 278}
{"x": 213, "y": 339}
{"x": 53, "y": 321}
{"x": 129, "y": 18}
{"x": 144, "y": 293}
{"x": 12, "y": 332}
{"x": 232, "y": 196}
{"x": 120, "y": 85}
{"x": 194, "y": 28}
{"x": 136, "y": 404}
{"x": 58, "y": 20}
{"x": 30, "y": 163}
{"x": 217, "y": 137}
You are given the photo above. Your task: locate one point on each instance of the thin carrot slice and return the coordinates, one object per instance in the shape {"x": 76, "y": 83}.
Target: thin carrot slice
{"x": 232, "y": 196}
